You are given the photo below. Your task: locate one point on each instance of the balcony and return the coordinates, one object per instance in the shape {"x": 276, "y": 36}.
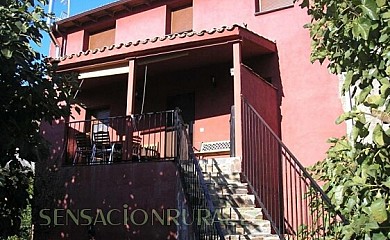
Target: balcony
{"x": 134, "y": 138}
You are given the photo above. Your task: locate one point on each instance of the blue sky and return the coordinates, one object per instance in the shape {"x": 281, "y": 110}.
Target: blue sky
{"x": 76, "y": 6}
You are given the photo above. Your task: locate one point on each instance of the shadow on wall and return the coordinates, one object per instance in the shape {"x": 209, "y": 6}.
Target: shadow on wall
{"x": 119, "y": 201}
{"x": 267, "y": 66}
{"x": 212, "y": 87}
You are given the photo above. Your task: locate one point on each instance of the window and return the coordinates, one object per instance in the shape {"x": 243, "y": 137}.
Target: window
{"x": 270, "y": 5}
{"x": 181, "y": 20}
{"x": 101, "y": 38}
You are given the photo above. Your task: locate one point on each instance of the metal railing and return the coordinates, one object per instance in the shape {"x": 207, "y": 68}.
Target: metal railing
{"x": 290, "y": 198}
{"x": 149, "y": 136}
{"x": 204, "y": 216}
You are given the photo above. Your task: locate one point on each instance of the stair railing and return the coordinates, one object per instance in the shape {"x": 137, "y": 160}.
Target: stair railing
{"x": 204, "y": 217}
{"x": 291, "y": 199}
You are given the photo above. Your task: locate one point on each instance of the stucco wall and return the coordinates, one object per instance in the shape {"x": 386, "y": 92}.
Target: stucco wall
{"x": 135, "y": 188}
{"x": 141, "y": 26}
{"x": 262, "y": 96}
{"x": 75, "y": 42}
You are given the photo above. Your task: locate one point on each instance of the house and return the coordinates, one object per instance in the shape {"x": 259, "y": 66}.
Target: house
{"x": 123, "y": 166}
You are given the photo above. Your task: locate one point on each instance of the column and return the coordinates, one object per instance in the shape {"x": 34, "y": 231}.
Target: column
{"x": 131, "y": 88}
{"x": 237, "y": 98}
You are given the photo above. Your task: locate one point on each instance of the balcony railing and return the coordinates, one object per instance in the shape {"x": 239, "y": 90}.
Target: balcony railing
{"x": 143, "y": 137}
{"x": 293, "y": 202}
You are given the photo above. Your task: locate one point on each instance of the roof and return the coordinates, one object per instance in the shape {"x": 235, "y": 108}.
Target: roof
{"x": 109, "y": 11}
{"x": 234, "y": 32}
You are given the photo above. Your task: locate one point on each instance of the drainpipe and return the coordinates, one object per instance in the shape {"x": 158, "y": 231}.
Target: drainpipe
{"x": 50, "y": 11}
{"x": 52, "y": 37}
{"x": 56, "y": 44}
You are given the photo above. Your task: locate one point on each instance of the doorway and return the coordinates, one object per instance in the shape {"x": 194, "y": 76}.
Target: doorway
{"x": 186, "y": 103}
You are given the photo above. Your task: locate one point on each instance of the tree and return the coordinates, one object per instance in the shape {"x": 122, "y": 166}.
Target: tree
{"x": 354, "y": 37}
{"x": 31, "y": 92}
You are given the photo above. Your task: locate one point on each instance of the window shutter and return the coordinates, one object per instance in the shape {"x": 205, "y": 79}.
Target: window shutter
{"x": 101, "y": 39}
{"x": 181, "y": 20}
{"x": 268, "y": 5}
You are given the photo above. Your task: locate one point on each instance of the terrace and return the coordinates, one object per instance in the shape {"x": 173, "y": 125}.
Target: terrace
{"x": 145, "y": 137}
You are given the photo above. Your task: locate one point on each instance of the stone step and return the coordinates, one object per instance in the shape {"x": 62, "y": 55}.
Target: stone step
{"x": 217, "y": 184}
{"x": 223, "y": 169}
{"x": 240, "y": 213}
{"x": 225, "y": 165}
{"x": 251, "y": 237}
{"x": 252, "y": 227}
{"x": 234, "y": 200}
{"x": 222, "y": 177}
{"x": 228, "y": 188}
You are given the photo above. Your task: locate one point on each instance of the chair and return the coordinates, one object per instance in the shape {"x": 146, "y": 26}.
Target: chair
{"x": 102, "y": 146}
{"x": 136, "y": 146}
{"x": 151, "y": 151}
{"x": 83, "y": 149}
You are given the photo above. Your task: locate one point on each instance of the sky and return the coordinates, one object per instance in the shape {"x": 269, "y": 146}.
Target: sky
{"x": 76, "y": 6}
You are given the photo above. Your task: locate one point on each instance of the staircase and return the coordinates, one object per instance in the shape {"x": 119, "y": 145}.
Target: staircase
{"x": 289, "y": 197}
{"x": 236, "y": 209}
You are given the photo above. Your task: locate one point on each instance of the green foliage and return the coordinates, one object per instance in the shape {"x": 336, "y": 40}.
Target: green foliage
{"x": 358, "y": 182}
{"x": 353, "y": 36}
{"x": 31, "y": 92}
{"x": 14, "y": 185}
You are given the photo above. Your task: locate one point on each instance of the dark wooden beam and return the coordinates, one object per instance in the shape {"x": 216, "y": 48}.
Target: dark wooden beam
{"x": 129, "y": 9}
{"x": 148, "y": 2}
{"x": 110, "y": 13}
{"x": 92, "y": 18}
{"x": 77, "y": 23}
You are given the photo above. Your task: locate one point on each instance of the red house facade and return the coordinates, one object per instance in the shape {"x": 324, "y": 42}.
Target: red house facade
{"x": 240, "y": 74}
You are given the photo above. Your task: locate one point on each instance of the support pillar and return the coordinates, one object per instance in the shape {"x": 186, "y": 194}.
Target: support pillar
{"x": 128, "y": 152}
{"x": 131, "y": 88}
{"x": 237, "y": 98}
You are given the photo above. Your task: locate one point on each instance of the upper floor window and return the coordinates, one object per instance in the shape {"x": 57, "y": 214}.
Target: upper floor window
{"x": 270, "y": 5}
{"x": 181, "y": 20}
{"x": 101, "y": 38}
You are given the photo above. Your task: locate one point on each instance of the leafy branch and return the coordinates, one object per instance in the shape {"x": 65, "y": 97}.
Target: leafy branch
{"x": 354, "y": 37}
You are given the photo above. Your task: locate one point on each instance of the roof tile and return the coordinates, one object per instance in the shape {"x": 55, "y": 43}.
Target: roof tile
{"x": 153, "y": 40}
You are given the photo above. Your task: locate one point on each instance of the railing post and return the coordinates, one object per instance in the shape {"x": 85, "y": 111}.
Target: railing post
{"x": 177, "y": 137}
{"x": 232, "y": 137}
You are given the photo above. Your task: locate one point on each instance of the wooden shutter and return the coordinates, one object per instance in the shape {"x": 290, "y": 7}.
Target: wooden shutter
{"x": 181, "y": 20}
{"x": 101, "y": 39}
{"x": 268, "y": 5}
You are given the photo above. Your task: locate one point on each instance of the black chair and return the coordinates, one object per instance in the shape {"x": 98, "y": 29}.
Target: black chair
{"x": 102, "y": 146}
{"x": 83, "y": 149}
